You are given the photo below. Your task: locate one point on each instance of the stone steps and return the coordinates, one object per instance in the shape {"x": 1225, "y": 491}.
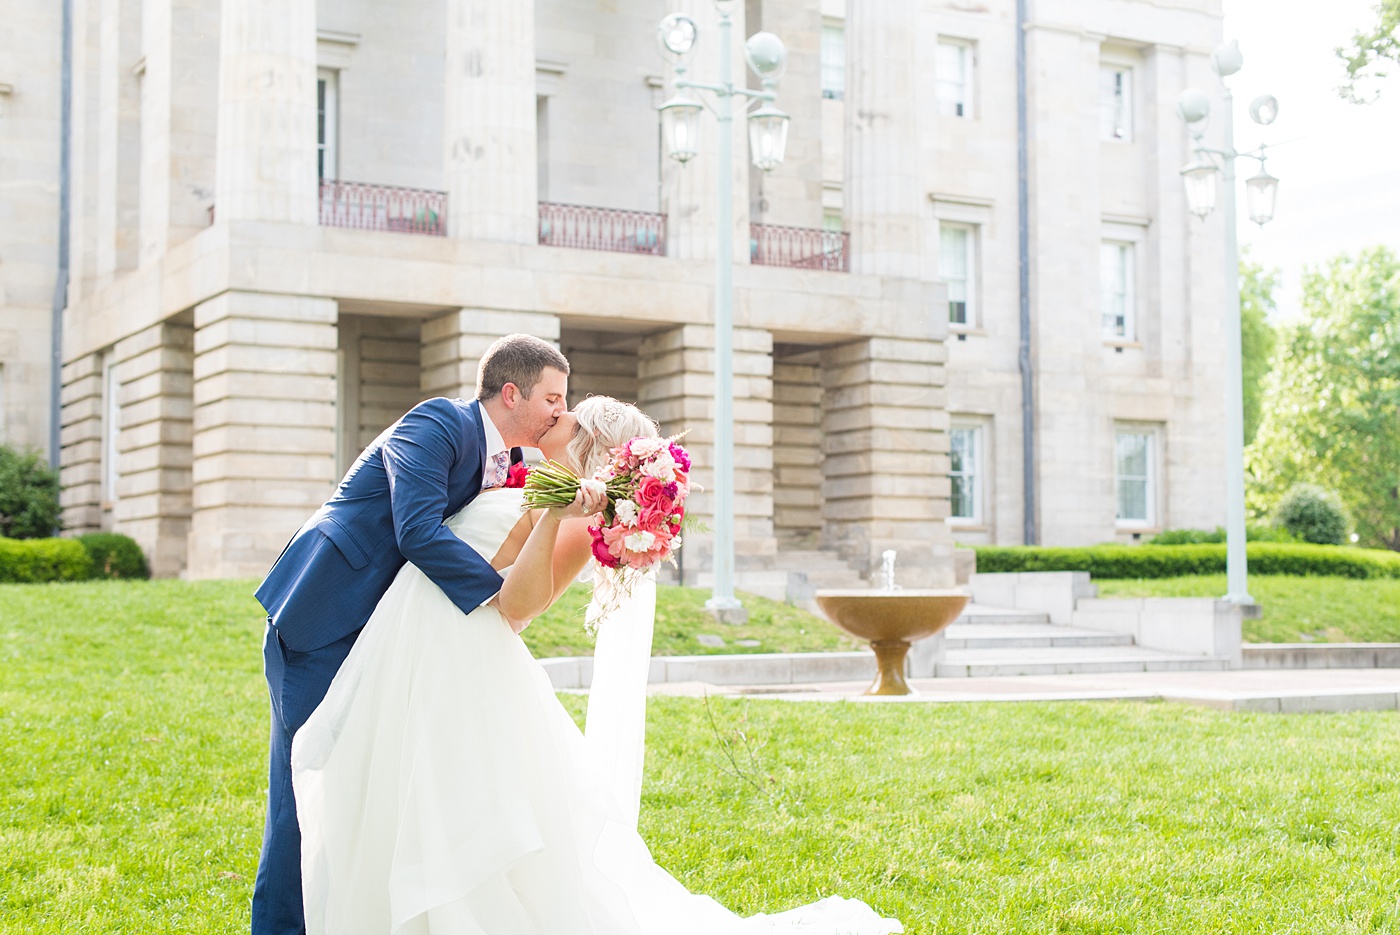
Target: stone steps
{"x": 1069, "y": 660}
{"x": 1026, "y": 636}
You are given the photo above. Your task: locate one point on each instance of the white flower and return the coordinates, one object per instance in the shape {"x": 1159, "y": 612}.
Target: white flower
{"x": 626, "y": 512}
{"x": 662, "y": 467}
{"x": 639, "y": 542}
{"x": 593, "y": 486}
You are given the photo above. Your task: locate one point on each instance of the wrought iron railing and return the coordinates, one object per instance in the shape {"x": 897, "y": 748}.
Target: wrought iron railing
{"x": 799, "y": 247}
{"x": 613, "y": 229}
{"x": 383, "y": 207}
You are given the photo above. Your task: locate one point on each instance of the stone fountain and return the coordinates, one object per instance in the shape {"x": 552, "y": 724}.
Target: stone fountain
{"x": 891, "y": 618}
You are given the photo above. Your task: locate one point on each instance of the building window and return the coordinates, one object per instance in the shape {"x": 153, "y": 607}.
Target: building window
{"x": 111, "y": 430}
{"x": 1117, "y": 291}
{"x": 953, "y": 71}
{"x": 834, "y": 61}
{"x": 833, "y": 220}
{"x": 1135, "y": 476}
{"x": 1116, "y": 103}
{"x": 327, "y": 123}
{"x": 965, "y": 472}
{"x": 957, "y": 267}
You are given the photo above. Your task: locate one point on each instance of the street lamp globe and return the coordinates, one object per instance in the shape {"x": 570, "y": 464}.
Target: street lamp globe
{"x": 768, "y": 129}
{"x": 1261, "y": 192}
{"x": 1263, "y": 110}
{"x": 1199, "y": 179}
{"x": 680, "y": 127}
{"x": 676, "y": 35}
{"x": 1193, "y": 106}
{"x": 767, "y": 56}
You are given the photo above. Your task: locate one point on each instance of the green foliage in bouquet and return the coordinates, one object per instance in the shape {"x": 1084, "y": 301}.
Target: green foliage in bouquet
{"x": 28, "y": 495}
{"x": 1313, "y": 514}
{"x": 115, "y": 556}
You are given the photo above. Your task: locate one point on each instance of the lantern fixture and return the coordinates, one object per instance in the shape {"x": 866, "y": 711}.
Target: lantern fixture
{"x": 1199, "y": 179}
{"x": 1261, "y": 194}
{"x": 768, "y": 130}
{"x": 680, "y": 127}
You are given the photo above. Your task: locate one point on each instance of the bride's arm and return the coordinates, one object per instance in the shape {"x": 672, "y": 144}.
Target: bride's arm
{"x": 551, "y": 558}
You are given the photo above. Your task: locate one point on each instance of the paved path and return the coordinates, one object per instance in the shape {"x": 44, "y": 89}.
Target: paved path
{"x": 1287, "y": 691}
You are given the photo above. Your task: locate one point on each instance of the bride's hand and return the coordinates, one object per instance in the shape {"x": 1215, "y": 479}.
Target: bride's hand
{"x": 592, "y": 497}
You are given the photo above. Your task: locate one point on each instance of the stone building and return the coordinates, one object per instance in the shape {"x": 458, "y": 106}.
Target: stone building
{"x": 294, "y": 220}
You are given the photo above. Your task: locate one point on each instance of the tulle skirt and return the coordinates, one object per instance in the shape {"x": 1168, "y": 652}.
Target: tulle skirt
{"x": 442, "y": 788}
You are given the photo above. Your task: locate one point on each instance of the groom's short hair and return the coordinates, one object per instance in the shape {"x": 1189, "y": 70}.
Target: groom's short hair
{"x": 518, "y": 359}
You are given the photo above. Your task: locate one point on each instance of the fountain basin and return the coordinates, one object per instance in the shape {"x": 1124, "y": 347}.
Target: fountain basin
{"x": 891, "y": 621}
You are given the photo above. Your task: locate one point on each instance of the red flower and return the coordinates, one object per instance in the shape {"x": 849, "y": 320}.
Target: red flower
{"x": 600, "y": 549}
{"x": 517, "y": 474}
{"x": 652, "y": 493}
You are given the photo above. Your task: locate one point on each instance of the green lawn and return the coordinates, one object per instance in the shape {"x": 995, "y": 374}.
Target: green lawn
{"x": 131, "y": 793}
{"x": 1334, "y": 610}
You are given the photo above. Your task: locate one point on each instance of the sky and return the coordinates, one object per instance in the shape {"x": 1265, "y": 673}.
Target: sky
{"x": 1338, "y": 163}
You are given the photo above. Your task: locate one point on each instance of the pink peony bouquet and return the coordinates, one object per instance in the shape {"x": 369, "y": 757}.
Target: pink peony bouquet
{"x": 647, "y": 483}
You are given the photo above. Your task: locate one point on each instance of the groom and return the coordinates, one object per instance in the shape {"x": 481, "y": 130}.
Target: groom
{"x": 388, "y": 510}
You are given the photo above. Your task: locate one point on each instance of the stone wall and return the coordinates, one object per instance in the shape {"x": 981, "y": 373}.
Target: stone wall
{"x": 797, "y": 449}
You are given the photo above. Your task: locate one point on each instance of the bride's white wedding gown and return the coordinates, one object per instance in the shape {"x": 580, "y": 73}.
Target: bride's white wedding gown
{"x": 443, "y": 790}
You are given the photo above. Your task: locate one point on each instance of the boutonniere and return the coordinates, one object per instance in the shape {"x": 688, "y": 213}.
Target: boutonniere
{"x": 517, "y": 474}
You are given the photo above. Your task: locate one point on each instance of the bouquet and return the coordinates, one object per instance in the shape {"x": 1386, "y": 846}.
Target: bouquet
{"x": 647, "y": 482}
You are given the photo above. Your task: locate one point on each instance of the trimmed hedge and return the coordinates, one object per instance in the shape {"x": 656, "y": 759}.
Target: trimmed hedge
{"x": 31, "y": 560}
{"x": 1171, "y": 561}
{"x": 1252, "y": 533}
{"x": 115, "y": 556}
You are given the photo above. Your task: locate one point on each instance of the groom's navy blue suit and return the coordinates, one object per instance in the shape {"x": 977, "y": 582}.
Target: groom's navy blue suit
{"x": 388, "y": 510}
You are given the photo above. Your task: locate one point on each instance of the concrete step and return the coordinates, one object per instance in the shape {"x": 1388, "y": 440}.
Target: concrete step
{"x": 979, "y": 635}
{"x": 989, "y": 615}
{"x": 1069, "y": 660}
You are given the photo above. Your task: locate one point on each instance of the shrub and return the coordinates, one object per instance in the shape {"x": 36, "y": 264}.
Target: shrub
{"x": 115, "y": 556}
{"x": 30, "y": 560}
{"x": 1252, "y": 533}
{"x": 1313, "y": 515}
{"x": 1154, "y": 561}
{"x": 28, "y": 495}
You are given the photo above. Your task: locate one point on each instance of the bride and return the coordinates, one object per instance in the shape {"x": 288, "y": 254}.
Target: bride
{"x": 441, "y": 787}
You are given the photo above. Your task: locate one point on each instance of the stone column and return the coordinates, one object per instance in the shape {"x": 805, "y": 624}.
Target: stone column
{"x": 453, "y": 345}
{"x": 154, "y": 383}
{"x": 264, "y": 426}
{"x": 690, "y": 191}
{"x": 178, "y": 129}
{"x": 119, "y": 130}
{"x": 489, "y": 164}
{"x": 676, "y": 387}
{"x": 886, "y": 457}
{"x": 267, "y": 111}
{"x": 81, "y": 442}
{"x": 883, "y": 202}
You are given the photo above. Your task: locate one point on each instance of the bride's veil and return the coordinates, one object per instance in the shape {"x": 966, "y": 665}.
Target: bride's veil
{"x": 615, "y": 732}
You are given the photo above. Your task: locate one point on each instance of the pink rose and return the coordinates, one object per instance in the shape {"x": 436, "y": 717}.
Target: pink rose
{"x": 600, "y": 549}
{"x": 652, "y": 493}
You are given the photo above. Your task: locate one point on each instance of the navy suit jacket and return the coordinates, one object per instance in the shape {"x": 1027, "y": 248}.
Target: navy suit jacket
{"x": 388, "y": 510}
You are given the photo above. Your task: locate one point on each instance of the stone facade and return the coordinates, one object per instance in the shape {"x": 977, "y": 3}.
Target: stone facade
{"x": 236, "y": 328}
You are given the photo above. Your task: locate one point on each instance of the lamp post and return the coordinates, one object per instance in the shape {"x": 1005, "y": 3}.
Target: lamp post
{"x": 680, "y": 122}
{"x": 1199, "y": 178}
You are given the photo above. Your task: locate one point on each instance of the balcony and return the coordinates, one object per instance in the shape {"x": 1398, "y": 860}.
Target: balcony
{"x": 363, "y": 206}
{"x": 584, "y": 227}
{"x": 799, "y": 247}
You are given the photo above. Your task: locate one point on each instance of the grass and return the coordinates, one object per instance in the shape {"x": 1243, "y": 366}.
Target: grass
{"x": 1296, "y": 609}
{"x": 131, "y": 794}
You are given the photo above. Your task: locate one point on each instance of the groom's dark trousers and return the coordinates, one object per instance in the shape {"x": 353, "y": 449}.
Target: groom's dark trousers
{"x": 389, "y": 509}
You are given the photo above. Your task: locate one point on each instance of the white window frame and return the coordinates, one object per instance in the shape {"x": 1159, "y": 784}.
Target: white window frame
{"x": 1125, "y": 253}
{"x": 971, "y": 311}
{"x": 111, "y": 430}
{"x": 1151, "y": 482}
{"x": 328, "y": 132}
{"x": 1115, "y": 95}
{"x": 833, "y": 44}
{"x": 967, "y": 50}
{"x": 978, "y": 473}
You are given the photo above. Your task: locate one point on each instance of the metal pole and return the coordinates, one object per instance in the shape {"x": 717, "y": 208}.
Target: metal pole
{"x": 1236, "y": 560}
{"x": 60, "y": 289}
{"x": 1023, "y": 243}
{"x": 722, "y": 602}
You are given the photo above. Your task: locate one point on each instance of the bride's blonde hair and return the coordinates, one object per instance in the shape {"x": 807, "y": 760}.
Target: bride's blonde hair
{"x": 605, "y": 423}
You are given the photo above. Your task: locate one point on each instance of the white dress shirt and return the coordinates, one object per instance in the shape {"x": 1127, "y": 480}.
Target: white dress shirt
{"x": 495, "y": 444}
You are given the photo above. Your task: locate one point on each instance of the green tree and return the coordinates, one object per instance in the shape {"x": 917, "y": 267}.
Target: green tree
{"x": 28, "y": 495}
{"x": 1257, "y": 336}
{"x": 1369, "y": 50}
{"x": 1332, "y": 401}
